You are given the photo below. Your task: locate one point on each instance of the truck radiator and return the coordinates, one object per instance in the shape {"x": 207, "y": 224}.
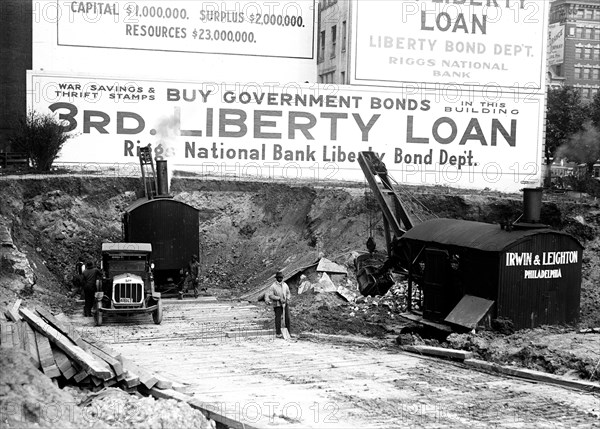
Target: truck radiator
{"x": 128, "y": 293}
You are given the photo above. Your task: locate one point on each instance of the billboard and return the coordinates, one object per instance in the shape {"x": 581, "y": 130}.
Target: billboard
{"x": 432, "y": 42}
{"x": 243, "y": 27}
{"x": 303, "y": 132}
{"x": 177, "y": 39}
{"x": 556, "y": 44}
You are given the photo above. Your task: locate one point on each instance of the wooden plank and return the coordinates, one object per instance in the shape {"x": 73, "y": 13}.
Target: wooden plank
{"x": 31, "y": 345}
{"x": 439, "y": 351}
{"x": 469, "y": 311}
{"x": 80, "y": 376}
{"x": 114, "y": 362}
{"x": 84, "y": 359}
{"x": 215, "y": 413}
{"x": 145, "y": 377}
{"x": 6, "y": 335}
{"x": 67, "y": 330}
{"x": 13, "y": 313}
{"x": 163, "y": 383}
{"x": 46, "y": 357}
{"x": 587, "y": 386}
{"x": 63, "y": 363}
{"x": 18, "y": 337}
{"x": 130, "y": 380}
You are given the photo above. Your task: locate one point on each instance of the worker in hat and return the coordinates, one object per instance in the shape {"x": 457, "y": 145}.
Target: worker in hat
{"x": 193, "y": 274}
{"x": 278, "y": 295}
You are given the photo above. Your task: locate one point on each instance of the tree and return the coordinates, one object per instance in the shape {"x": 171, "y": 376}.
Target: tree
{"x": 595, "y": 110}
{"x": 41, "y": 136}
{"x": 565, "y": 116}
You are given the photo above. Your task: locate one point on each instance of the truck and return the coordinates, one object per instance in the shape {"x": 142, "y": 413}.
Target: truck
{"x": 128, "y": 283}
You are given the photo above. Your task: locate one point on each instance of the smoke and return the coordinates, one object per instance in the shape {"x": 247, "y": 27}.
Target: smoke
{"x": 166, "y": 131}
{"x": 583, "y": 147}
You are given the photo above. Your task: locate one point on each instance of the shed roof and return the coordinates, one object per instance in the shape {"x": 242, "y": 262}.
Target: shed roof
{"x": 143, "y": 201}
{"x": 474, "y": 235}
{"x": 127, "y": 247}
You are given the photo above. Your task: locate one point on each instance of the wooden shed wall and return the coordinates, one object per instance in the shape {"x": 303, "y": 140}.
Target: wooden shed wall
{"x": 171, "y": 227}
{"x": 531, "y": 302}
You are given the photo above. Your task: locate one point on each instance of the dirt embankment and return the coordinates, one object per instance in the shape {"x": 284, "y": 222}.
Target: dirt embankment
{"x": 249, "y": 230}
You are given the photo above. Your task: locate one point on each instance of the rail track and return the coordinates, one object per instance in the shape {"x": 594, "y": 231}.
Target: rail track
{"x": 228, "y": 358}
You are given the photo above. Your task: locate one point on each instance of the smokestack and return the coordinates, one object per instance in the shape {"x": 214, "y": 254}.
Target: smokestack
{"x": 532, "y": 205}
{"x": 162, "y": 176}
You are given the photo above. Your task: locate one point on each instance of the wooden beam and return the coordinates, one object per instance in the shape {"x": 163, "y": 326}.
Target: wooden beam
{"x": 130, "y": 380}
{"x": 114, "y": 362}
{"x": 439, "y": 351}
{"x": 13, "y": 313}
{"x": 67, "y": 330}
{"x": 63, "y": 363}
{"x": 6, "y": 335}
{"x": 80, "y": 376}
{"x": 31, "y": 345}
{"x": 145, "y": 377}
{"x": 587, "y": 386}
{"x": 18, "y": 336}
{"x": 85, "y": 360}
{"x": 46, "y": 357}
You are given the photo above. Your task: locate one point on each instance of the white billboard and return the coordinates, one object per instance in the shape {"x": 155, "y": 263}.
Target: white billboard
{"x": 244, "y": 40}
{"x": 556, "y": 44}
{"x": 431, "y": 42}
{"x": 458, "y": 138}
{"x": 241, "y": 27}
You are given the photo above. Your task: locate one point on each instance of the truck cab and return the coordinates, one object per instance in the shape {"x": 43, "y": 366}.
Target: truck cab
{"x": 128, "y": 284}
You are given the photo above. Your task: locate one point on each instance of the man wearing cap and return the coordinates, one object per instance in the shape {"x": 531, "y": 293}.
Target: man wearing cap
{"x": 194, "y": 274}
{"x": 279, "y": 294}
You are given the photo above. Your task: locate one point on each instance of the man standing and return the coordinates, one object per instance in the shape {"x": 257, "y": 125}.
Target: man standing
{"x": 90, "y": 276}
{"x": 194, "y": 273}
{"x": 279, "y": 294}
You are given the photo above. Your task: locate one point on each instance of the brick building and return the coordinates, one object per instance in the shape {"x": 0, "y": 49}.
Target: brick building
{"x": 333, "y": 44}
{"x": 581, "y": 58}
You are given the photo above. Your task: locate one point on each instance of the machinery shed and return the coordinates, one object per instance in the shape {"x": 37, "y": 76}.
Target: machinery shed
{"x": 171, "y": 227}
{"x": 533, "y": 276}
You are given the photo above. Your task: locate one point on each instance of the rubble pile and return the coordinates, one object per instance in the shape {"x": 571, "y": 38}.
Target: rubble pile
{"x": 55, "y": 349}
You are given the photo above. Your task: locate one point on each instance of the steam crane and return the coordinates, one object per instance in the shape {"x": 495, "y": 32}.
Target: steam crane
{"x": 373, "y": 278}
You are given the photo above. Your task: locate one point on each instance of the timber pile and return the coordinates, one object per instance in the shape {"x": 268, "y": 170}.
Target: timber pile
{"x": 57, "y": 350}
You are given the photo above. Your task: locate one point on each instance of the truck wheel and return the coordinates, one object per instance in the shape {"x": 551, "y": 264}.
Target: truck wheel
{"x": 98, "y": 314}
{"x": 157, "y": 314}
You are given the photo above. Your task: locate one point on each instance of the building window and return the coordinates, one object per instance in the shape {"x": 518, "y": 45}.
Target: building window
{"x": 586, "y": 73}
{"x": 343, "y": 78}
{"x": 578, "y": 72}
{"x": 595, "y": 74}
{"x": 579, "y": 13}
{"x": 333, "y": 40}
{"x": 580, "y": 32}
{"x": 344, "y": 30}
{"x": 578, "y": 52}
{"x": 589, "y": 14}
{"x": 597, "y": 53}
{"x": 322, "y": 47}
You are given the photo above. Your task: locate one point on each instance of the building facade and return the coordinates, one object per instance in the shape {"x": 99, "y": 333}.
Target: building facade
{"x": 333, "y": 51}
{"x": 580, "y": 67}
